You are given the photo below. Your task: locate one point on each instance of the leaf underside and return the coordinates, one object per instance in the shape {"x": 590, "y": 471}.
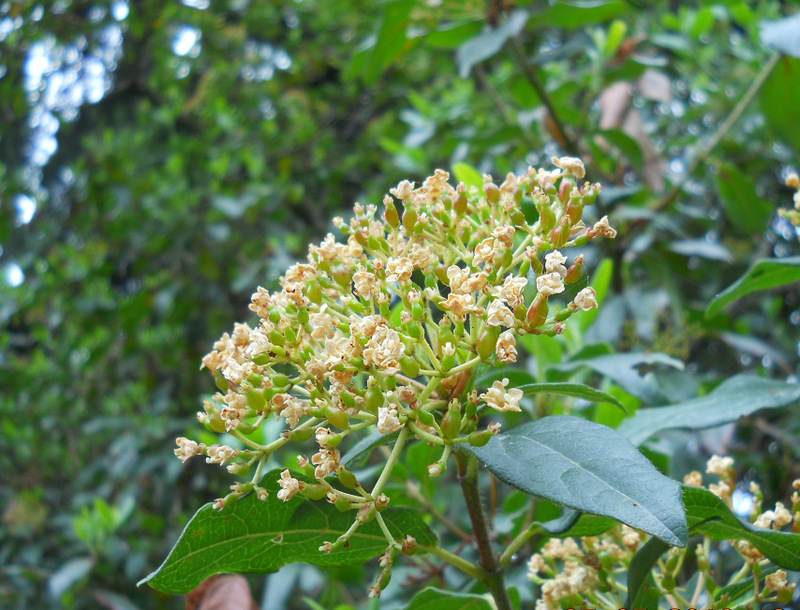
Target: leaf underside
{"x": 591, "y": 468}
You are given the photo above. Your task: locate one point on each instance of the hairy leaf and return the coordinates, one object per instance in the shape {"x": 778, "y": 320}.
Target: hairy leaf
{"x": 439, "y": 599}
{"x": 259, "y": 537}
{"x": 734, "y": 398}
{"x": 588, "y": 467}
{"x": 641, "y": 586}
{"x": 763, "y": 275}
{"x": 745, "y": 208}
{"x": 365, "y": 445}
{"x": 706, "y": 513}
{"x": 624, "y": 369}
{"x": 578, "y": 390}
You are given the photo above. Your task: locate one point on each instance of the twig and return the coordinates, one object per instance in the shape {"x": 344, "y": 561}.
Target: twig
{"x": 723, "y": 130}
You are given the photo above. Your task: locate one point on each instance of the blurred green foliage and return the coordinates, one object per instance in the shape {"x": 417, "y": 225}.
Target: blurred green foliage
{"x": 224, "y": 137}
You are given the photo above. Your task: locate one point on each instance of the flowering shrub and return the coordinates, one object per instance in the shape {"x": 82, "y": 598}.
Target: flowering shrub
{"x": 397, "y": 335}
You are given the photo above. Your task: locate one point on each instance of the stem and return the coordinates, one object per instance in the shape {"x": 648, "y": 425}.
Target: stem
{"x": 393, "y": 457}
{"x": 723, "y": 130}
{"x": 454, "y": 560}
{"x": 517, "y": 544}
{"x": 493, "y": 579}
{"x": 519, "y": 57}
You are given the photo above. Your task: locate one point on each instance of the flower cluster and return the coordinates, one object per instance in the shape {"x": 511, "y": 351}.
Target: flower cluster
{"x": 793, "y": 216}
{"x": 590, "y": 571}
{"x": 386, "y": 328}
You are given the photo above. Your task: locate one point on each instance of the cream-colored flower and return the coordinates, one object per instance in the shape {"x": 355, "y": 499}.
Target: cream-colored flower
{"x": 603, "y": 229}
{"x": 782, "y": 515}
{"x": 220, "y": 454}
{"x": 586, "y": 299}
{"x": 719, "y": 465}
{"x": 536, "y": 564}
{"x": 554, "y": 262}
{"x": 693, "y": 479}
{"x": 461, "y": 304}
{"x": 293, "y": 409}
{"x": 323, "y": 325}
{"x": 506, "y": 347}
{"x": 573, "y": 165}
{"x": 388, "y": 421}
{"x": 290, "y": 486}
{"x": 497, "y": 314}
{"x": 485, "y": 251}
{"x": 777, "y": 581}
{"x": 365, "y": 283}
{"x": 187, "y": 448}
{"x": 476, "y": 282}
{"x": 326, "y": 461}
{"x": 501, "y": 400}
{"x": 505, "y": 235}
{"x": 550, "y": 284}
{"x": 722, "y": 491}
{"x": 384, "y": 350}
{"x": 793, "y": 181}
{"x": 457, "y": 276}
{"x": 403, "y": 189}
{"x": 511, "y": 290}
{"x": 399, "y": 269}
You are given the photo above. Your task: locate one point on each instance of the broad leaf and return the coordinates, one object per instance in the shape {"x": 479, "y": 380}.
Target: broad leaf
{"x": 640, "y": 577}
{"x": 706, "y": 513}
{"x": 732, "y": 399}
{"x": 365, "y": 445}
{"x": 624, "y": 369}
{"x": 588, "y": 467}
{"x": 467, "y": 174}
{"x": 391, "y": 40}
{"x": 259, "y": 537}
{"x": 782, "y": 36}
{"x": 779, "y": 101}
{"x": 439, "y": 599}
{"x": 578, "y": 13}
{"x": 745, "y": 208}
{"x": 576, "y": 524}
{"x": 489, "y": 42}
{"x": 578, "y": 390}
{"x": 763, "y": 275}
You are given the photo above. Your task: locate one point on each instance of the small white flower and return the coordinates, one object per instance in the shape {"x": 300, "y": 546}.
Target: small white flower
{"x": 497, "y": 314}
{"x": 586, "y": 299}
{"x": 573, "y": 165}
{"x": 388, "y": 421}
{"x": 506, "y": 347}
{"x": 719, "y": 465}
{"x": 550, "y": 284}
{"x": 290, "y": 486}
{"x": 554, "y": 262}
{"x": 501, "y": 400}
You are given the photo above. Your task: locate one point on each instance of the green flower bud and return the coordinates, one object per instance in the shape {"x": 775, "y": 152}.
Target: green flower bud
{"x": 342, "y": 505}
{"x": 255, "y": 399}
{"x": 302, "y": 316}
{"x": 347, "y": 478}
{"x": 313, "y": 492}
{"x": 373, "y": 400}
{"x": 301, "y": 435}
{"x": 409, "y": 219}
{"x": 492, "y": 192}
{"x": 426, "y": 417}
{"x": 337, "y": 417}
{"x": 479, "y": 438}
{"x": 409, "y": 366}
{"x": 451, "y": 422}
{"x": 390, "y": 214}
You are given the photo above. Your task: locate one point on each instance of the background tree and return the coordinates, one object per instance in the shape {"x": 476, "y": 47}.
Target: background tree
{"x": 160, "y": 160}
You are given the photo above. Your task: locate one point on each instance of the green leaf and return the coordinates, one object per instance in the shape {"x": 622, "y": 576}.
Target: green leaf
{"x": 629, "y": 148}
{"x": 439, "y": 599}
{"x": 488, "y": 42}
{"x": 744, "y": 207}
{"x": 706, "y": 513}
{"x": 782, "y": 36}
{"x": 588, "y": 467}
{"x": 765, "y": 274}
{"x": 365, "y": 445}
{"x": 577, "y": 390}
{"x": 451, "y": 35}
{"x": 576, "y": 524}
{"x": 391, "y": 40}
{"x": 779, "y": 101}
{"x": 640, "y": 576}
{"x": 734, "y": 398}
{"x": 578, "y": 14}
{"x": 624, "y": 369}
{"x": 468, "y": 175}
{"x": 254, "y": 537}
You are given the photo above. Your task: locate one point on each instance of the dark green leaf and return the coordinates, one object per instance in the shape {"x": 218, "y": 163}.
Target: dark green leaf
{"x": 640, "y": 576}
{"x": 734, "y": 398}
{"x": 624, "y": 369}
{"x": 576, "y": 524}
{"x": 744, "y": 207}
{"x": 516, "y": 377}
{"x": 782, "y": 36}
{"x": 588, "y": 467}
{"x": 577, "y": 14}
{"x": 391, "y": 39}
{"x": 779, "y": 101}
{"x": 439, "y": 599}
{"x": 706, "y": 513}
{"x": 703, "y": 249}
{"x": 365, "y": 445}
{"x": 731, "y": 596}
{"x": 259, "y": 537}
{"x": 450, "y": 36}
{"x": 765, "y": 274}
{"x": 629, "y": 148}
{"x": 489, "y": 42}
{"x": 577, "y": 390}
